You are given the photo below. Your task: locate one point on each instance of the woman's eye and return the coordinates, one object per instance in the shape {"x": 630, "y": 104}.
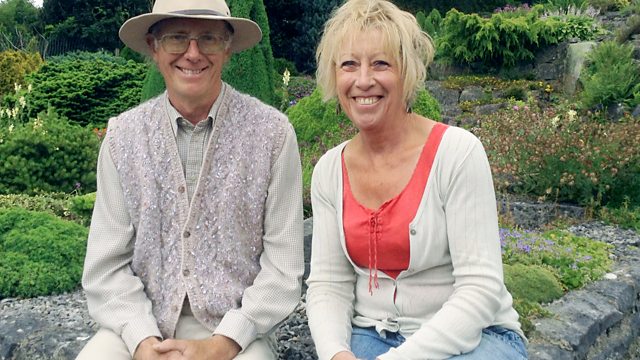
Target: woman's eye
{"x": 380, "y": 65}
{"x": 348, "y": 65}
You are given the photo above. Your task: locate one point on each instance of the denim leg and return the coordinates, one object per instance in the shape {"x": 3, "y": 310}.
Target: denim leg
{"x": 497, "y": 343}
{"x": 367, "y": 344}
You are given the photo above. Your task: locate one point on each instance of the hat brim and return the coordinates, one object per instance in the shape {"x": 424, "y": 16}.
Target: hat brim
{"x": 133, "y": 32}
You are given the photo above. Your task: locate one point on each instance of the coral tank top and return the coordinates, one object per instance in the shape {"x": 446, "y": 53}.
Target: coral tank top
{"x": 379, "y": 239}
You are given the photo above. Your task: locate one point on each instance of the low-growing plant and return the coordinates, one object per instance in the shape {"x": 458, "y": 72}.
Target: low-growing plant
{"x": 81, "y": 207}
{"x": 53, "y": 203}
{"x": 624, "y": 216}
{"x": 47, "y": 154}
{"x": 40, "y": 254}
{"x": 609, "y": 5}
{"x": 559, "y": 156}
{"x": 576, "y": 260}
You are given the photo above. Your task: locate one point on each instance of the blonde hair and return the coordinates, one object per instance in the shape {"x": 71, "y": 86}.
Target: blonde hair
{"x": 411, "y": 47}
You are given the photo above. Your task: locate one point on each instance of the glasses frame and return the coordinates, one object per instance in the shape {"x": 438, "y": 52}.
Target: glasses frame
{"x": 225, "y": 41}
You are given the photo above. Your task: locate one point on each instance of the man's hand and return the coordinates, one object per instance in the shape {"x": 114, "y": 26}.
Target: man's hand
{"x": 217, "y": 347}
{"x": 145, "y": 350}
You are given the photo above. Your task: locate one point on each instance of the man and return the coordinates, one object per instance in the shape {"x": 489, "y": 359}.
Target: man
{"x": 195, "y": 247}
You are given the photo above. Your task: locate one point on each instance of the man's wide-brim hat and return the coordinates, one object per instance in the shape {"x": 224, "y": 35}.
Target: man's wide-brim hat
{"x": 133, "y": 32}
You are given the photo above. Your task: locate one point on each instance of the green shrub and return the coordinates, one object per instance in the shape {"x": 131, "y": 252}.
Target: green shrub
{"x": 430, "y": 23}
{"x": 557, "y": 156}
{"x": 533, "y": 283}
{"x": 53, "y": 203}
{"x": 611, "y": 76}
{"x": 319, "y": 128}
{"x": 86, "y": 88}
{"x": 39, "y": 254}
{"x": 252, "y": 71}
{"x": 507, "y": 38}
{"x": 81, "y": 207}
{"x": 609, "y": 5}
{"x": 14, "y": 66}
{"x": 624, "y": 216}
{"x": 153, "y": 83}
{"x": 47, "y": 154}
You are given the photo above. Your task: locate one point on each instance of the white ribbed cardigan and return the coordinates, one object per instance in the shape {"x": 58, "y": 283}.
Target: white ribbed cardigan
{"x": 454, "y": 285}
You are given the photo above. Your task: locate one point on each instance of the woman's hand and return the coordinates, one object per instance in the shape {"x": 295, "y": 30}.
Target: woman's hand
{"x": 216, "y": 347}
{"x": 344, "y": 355}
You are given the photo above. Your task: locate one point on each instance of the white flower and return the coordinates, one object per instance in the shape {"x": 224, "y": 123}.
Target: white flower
{"x": 29, "y": 87}
{"x": 17, "y": 87}
{"x": 22, "y": 102}
{"x": 286, "y": 76}
{"x": 10, "y": 128}
{"x": 555, "y": 121}
{"x": 571, "y": 114}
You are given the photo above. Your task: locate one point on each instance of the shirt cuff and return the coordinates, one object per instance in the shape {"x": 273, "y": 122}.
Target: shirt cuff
{"x": 134, "y": 332}
{"x": 238, "y": 327}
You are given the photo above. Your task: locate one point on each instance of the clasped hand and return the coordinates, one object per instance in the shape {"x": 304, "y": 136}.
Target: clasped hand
{"x": 216, "y": 347}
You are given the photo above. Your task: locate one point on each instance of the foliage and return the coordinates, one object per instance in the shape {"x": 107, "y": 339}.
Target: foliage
{"x": 86, "y": 88}
{"x": 576, "y": 260}
{"x": 611, "y": 76}
{"x": 39, "y": 253}
{"x": 609, "y": 5}
{"x": 153, "y": 83}
{"x": 557, "y": 156}
{"x": 53, "y": 203}
{"x": 624, "y": 216}
{"x": 296, "y": 27}
{"x": 252, "y": 71}
{"x": 319, "y": 127}
{"x": 47, "y": 154}
{"x": 534, "y": 283}
{"x": 538, "y": 267}
{"x": 90, "y": 25}
{"x": 507, "y": 38}
{"x": 81, "y": 207}
{"x": 18, "y": 24}
{"x": 14, "y": 66}
{"x": 430, "y": 23}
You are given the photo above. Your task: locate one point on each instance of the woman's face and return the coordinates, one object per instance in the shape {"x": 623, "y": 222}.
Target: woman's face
{"x": 368, "y": 82}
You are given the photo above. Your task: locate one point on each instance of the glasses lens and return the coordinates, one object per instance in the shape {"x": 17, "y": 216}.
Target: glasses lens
{"x": 175, "y": 43}
{"x": 210, "y": 44}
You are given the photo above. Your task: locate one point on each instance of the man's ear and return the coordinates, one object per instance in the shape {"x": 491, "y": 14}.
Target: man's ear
{"x": 151, "y": 43}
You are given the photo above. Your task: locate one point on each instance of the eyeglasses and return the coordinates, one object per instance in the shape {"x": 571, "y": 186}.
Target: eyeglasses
{"x": 179, "y": 43}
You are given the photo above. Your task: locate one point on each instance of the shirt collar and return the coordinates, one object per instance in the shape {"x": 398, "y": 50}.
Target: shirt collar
{"x": 174, "y": 115}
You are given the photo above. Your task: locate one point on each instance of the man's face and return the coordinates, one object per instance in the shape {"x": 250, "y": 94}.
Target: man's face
{"x": 191, "y": 76}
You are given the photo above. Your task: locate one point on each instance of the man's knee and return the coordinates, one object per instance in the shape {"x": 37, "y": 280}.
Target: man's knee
{"x": 105, "y": 345}
{"x": 260, "y": 349}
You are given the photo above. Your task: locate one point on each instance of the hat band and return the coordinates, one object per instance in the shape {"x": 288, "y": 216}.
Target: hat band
{"x": 198, "y": 12}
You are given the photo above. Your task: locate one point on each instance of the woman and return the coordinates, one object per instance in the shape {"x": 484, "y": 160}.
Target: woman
{"x": 406, "y": 260}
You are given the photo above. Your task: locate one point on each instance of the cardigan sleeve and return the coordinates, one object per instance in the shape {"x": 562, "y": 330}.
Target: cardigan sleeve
{"x": 115, "y": 296}
{"x": 331, "y": 282}
{"x": 466, "y": 187}
{"x": 275, "y": 292}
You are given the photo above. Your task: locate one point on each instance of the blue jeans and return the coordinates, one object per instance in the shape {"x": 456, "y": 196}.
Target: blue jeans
{"x": 497, "y": 343}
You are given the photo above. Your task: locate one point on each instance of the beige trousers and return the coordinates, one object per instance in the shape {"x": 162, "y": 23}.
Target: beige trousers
{"x": 107, "y": 345}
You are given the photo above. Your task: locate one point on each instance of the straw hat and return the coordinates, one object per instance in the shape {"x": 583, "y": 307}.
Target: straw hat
{"x": 133, "y": 32}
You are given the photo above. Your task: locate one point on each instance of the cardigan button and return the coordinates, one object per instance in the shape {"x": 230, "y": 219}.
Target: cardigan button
{"x": 181, "y": 189}
{"x": 185, "y": 272}
{"x": 187, "y": 234}
{"x": 413, "y": 231}
{"x": 174, "y": 308}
